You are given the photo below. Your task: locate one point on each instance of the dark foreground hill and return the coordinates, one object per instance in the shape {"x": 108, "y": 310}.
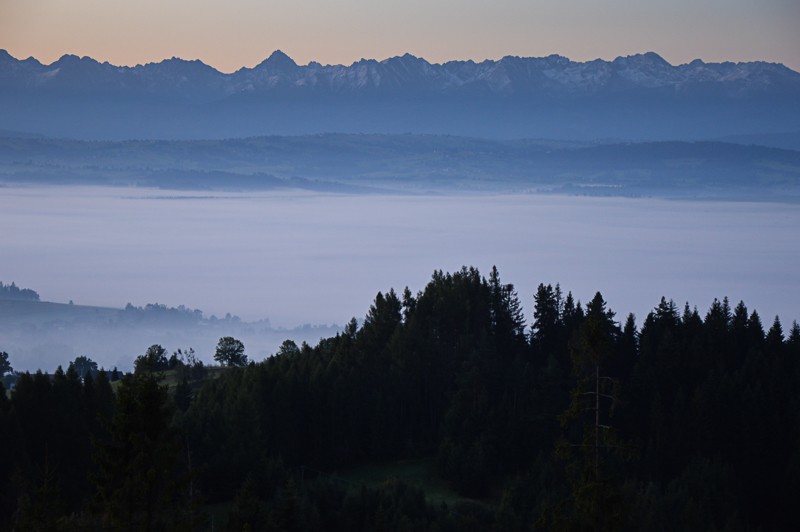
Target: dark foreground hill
{"x": 582, "y": 421}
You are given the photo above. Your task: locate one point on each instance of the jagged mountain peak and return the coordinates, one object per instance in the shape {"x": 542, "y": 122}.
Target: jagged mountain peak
{"x": 649, "y": 58}
{"x": 180, "y": 60}
{"x": 654, "y": 57}
{"x": 407, "y": 57}
{"x": 179, "y": 64}
{"x": 407, "y": 60}
{"x": 277, "y": 60}
{"x": 74, "y": 59}
{"x": 78, "y": 65}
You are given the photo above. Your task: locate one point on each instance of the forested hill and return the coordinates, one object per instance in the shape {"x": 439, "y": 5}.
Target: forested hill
{"x": 573, "y": 418}
{"x": 416, "y": 164}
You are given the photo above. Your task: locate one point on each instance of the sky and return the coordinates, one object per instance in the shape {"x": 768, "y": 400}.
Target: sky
{"x": 241, "y": 33}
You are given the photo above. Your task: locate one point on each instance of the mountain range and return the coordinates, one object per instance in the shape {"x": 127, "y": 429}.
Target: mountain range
{"x": 639, "y": 97}
{"x": 404, "y": 74}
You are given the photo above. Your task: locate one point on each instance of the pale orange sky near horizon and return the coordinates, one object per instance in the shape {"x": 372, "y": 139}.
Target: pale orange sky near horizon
{"x": 241, "y": 33}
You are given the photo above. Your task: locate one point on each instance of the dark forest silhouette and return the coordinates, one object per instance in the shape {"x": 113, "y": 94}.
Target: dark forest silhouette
{"x": 577, "y": 420}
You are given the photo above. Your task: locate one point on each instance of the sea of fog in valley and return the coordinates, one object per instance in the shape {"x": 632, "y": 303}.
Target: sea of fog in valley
{"x": 311, "y": 258}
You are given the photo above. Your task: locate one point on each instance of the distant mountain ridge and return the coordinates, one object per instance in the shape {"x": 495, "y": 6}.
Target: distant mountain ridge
{"x": 508, "y": 75}
{"x": 416, "y": 164}
{"x": 640, "y": 96}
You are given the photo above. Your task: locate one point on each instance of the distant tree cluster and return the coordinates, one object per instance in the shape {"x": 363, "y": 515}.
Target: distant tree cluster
{"x": 12, "y": 291}
{"x": 7, "y": 376}
{"x": 578, "y": 422}
{"x": 156, "y": 312}
{"x": 5, "y": 365}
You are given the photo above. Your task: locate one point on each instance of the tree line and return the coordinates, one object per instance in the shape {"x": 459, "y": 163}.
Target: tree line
{"x": 574, "y": 421}
{"x": 12, "y": 291}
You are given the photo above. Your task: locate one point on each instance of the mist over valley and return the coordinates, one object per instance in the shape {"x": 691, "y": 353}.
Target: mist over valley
{"x": 300, "y": 257}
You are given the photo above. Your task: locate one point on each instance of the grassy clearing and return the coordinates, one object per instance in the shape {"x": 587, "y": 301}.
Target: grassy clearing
{"x": 420, "y": 473}
{"x": 217, "y": 514}
{"x": 171, "y": 378}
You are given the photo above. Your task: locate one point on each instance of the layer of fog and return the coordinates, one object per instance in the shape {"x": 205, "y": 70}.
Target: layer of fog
{"x": 298, "y": 258}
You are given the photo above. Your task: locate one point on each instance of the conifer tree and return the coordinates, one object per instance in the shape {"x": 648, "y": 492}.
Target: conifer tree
{"x": 139, "y": 484}
{"x": 595, "y": 501}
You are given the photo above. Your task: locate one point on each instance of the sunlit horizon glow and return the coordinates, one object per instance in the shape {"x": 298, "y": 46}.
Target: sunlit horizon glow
{"x": 242, "y": 33}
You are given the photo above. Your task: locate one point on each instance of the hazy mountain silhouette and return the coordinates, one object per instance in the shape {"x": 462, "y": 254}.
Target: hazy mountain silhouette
{"x": 635, "y": 97}
{"x": 412, "y": 163}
